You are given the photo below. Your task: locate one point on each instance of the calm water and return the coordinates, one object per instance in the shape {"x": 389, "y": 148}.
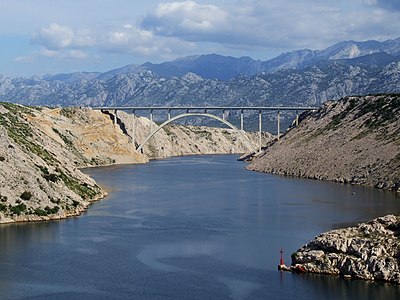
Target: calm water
{"x": 189, "y": 228}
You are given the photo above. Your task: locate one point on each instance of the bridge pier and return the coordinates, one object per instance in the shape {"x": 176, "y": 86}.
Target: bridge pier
{"x": 241, "y": 119}
{"x": 133, "y": 126}
{"x": 259, "y": 130}
{"x": 169, "y": 114}
{"x": 297, "y": 118}
{"x": 223, "y": 114}
{"x": 151, "y": 115}
{"x": 279, "y": 124}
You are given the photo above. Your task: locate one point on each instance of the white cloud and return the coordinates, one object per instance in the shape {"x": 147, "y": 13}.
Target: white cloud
{"x": 58, "y": 41}
{"x": 283, "y": 24}
{"x": 182, "y": 28}
{"x": 186, "y": 19}
{"x": 56, "y": 37}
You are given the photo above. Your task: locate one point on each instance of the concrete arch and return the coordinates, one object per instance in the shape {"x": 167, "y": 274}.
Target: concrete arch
{"x": 245, "y": 139}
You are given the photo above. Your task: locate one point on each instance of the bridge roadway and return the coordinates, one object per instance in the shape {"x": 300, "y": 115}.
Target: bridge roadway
{"x": 190, "y": 112}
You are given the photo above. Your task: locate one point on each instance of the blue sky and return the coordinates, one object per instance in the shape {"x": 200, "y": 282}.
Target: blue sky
{"x": 61, "y": 36}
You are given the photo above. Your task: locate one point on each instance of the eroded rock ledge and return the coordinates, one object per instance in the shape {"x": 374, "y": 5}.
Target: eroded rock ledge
{"x": 369, "y": 251}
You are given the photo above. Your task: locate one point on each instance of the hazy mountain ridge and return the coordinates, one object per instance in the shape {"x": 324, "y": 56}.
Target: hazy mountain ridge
{"x": 299, "y": 78}
{"x": 213, "y": 66}
{"x": 310, "y": 86}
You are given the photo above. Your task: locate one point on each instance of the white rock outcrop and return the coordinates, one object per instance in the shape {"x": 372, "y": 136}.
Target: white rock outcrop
{"x": 368, "y": 251}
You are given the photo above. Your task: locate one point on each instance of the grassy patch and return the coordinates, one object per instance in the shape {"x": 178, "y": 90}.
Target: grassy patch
{"x": 21, "y": 133}
{"x": 82, "y": 190}
{"x": 66, "y": 140}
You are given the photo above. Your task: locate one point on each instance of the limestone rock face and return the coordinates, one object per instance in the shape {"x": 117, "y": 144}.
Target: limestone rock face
{"x": 369, "y": 251}
{"x": 355, "y": 140}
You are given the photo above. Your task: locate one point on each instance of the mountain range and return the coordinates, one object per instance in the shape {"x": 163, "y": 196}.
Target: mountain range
{"x": 303, "y": 77}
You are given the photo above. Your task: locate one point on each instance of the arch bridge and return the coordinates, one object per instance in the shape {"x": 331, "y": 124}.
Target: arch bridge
{"x": 203, "y": 111}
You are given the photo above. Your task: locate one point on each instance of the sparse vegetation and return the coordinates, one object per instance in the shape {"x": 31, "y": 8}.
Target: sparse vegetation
{"x": 384, "y": 110}
{"x": 65, "y": 139}
{"x": 22, "y": 133}
{"x": 18, "y": 209}
{"x": 52, "y": 177}
{"x": 82, "y": 190}
{"x": 68, "y": 112}
{"x": 40, "y": 212}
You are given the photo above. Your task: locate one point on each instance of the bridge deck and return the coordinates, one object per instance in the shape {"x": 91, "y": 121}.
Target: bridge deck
{"x": 300, "y": 108}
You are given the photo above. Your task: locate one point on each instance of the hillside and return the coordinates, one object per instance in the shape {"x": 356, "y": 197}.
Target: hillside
{"x": 355, "y": 140}
{"x": 42, "y": 149}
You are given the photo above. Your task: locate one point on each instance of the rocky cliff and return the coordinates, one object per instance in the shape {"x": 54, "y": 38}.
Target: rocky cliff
{"x": 355, "y": 140}
{"x": 368, "y": 251}
{"x": 41, "y": 150}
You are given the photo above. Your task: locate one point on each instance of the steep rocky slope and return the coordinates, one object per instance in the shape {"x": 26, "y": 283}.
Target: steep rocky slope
{"x": 355, "y": 140}
{"x": 368, "y": 251}
{"x": 42, "y": 148}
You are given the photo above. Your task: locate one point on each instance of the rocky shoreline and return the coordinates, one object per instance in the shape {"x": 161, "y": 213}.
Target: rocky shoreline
{"x": 369, "y": 251}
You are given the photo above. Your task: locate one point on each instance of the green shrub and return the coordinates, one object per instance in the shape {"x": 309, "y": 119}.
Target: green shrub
{"x": 40, "y": 212}
{"x": 2, "y": 207}
{"x": 18, "y": 209}
{"x": 26, "y": 195}
{"x": 53, "y": 210}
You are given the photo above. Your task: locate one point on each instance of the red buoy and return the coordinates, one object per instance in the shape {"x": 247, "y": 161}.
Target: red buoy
{"x": 281, "y": 261}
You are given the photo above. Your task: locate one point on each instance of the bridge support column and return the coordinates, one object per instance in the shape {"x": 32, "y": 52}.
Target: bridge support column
{"x": 279, "y": 124}
{"x": 297, "y": 118}
{"x": 259, "y": 130}
{"x": 169, "y": 114}
{"x": 151, "y": 119}
{"x": 223, "y": 115}
{"x": 133, "y": 126}
{"x": 241, "y": 119}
